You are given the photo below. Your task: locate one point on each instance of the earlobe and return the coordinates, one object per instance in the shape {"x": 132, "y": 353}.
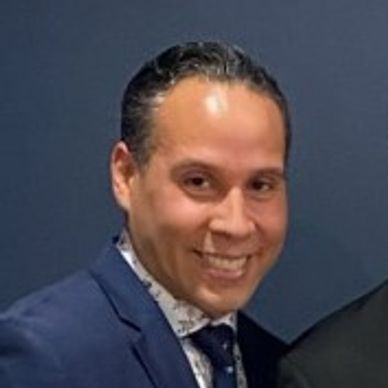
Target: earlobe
{"x": 122, "y": 169}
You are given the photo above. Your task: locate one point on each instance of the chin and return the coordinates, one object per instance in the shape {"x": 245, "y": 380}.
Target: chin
{"x": 218, "y": 308}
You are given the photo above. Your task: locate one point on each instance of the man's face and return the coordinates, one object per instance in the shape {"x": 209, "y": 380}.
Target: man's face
{"x": 208, "y": 213}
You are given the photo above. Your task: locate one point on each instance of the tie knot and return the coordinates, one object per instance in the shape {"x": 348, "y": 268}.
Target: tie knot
{"x": 217, "y": 343}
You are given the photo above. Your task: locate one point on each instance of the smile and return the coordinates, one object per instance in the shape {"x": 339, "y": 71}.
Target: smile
{"x": 224, "y": 262}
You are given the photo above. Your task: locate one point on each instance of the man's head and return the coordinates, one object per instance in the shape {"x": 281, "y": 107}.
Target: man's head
{"x": 209, "y": 60}
{"x": 200, "y": 173}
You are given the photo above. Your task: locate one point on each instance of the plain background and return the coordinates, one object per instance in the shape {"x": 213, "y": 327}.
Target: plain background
{"x": 63, "y": 68}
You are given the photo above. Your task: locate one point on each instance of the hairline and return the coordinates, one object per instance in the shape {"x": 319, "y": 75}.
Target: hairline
{"x": 157, "y": 100}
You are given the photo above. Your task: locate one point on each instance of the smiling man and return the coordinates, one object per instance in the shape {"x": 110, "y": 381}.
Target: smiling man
{"x": 200, "y": 175}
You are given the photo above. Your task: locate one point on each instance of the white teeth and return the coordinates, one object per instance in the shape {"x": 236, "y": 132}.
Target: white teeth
{"x": 226, "y": 263}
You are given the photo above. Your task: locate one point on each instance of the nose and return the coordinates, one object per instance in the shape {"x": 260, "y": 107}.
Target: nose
{"x": 230, "y": 217}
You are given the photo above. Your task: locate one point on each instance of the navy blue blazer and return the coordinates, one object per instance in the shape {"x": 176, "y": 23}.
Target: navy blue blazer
{"x": 100, "y": 328}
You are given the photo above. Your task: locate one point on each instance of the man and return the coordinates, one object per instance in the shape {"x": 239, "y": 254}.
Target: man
{"x": 348, "y": 349}
{"x": 200, "y": 175}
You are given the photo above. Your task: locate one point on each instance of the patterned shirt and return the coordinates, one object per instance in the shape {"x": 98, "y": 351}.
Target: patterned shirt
{"x": 183, "y": 318}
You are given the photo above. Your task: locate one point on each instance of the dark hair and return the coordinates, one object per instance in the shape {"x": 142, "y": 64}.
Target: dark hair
{"x": 212, "y": 60}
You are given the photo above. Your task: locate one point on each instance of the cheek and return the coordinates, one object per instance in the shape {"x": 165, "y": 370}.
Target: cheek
{"x": 179, "y": 214}
{"x": 273, "y": 219}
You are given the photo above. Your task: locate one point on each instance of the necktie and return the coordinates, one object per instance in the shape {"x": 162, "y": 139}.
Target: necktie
{"x": 217, "y": 343}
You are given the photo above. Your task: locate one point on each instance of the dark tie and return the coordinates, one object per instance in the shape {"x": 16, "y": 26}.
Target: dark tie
{"x": 217, "y": 343}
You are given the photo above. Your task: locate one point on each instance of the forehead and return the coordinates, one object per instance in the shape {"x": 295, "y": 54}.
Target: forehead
{"x": 214, "y": 95}
{"x": 197, "y": 112}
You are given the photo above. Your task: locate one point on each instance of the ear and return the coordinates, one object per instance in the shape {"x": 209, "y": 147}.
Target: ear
{"x": 123, "y": 169}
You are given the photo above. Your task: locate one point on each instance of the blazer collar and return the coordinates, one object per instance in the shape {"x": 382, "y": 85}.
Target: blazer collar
{"x": 152, "y": 339}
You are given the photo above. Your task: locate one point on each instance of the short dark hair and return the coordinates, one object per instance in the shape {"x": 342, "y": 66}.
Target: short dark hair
{"x": 212, "y": 60}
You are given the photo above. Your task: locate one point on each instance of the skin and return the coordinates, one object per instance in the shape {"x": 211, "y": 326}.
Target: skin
{"x": 208, "y": 213}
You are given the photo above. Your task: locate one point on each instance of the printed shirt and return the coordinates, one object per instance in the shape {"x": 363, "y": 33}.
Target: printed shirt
{"x": 183, "y": 318}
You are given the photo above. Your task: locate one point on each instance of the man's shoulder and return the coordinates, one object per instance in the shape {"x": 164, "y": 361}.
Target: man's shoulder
{"x": 45, "y": 330}
{"x": 71, "y": 303}
{"x": 54, "y": 307}
{"x": 64, "y": 330}
{"x": 67, "y": 313}
{"x": 366, "y": 315}
{"x": 345, "y": 344}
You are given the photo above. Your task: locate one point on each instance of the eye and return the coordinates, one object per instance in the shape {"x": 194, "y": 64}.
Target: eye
{"x": 264, "y": 187}
{"x": 198, "y": 185}
{"x": 261, "y": 185}
{"x": 196, "y": 182}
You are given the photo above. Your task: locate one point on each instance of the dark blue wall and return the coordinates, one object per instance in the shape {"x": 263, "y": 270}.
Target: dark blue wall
{"x": 62, "y": 70}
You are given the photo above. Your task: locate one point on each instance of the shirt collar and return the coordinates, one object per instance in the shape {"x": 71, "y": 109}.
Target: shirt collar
{"x": 183, "y": 317}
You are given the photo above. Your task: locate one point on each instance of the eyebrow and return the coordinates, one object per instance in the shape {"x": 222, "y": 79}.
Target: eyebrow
{"x": 279, "y": 172}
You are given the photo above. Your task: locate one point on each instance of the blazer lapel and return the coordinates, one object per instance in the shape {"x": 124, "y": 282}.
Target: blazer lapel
{"x": 163, "y": 357}
{"x": 148, "y": 332}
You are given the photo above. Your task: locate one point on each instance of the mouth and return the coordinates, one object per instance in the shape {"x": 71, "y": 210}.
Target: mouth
{"x": 222, "y": 264}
